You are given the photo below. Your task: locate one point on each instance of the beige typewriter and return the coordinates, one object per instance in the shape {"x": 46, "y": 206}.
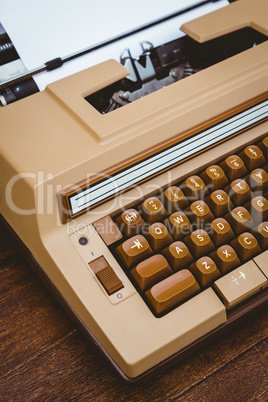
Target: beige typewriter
{"x": 147, "y": 216}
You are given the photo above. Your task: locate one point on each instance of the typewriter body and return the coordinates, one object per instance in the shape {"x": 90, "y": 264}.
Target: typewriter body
{"x": 88, "y": 195}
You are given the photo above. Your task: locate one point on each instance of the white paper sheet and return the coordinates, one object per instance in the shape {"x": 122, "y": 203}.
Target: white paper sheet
{"x": 44, "y": 30}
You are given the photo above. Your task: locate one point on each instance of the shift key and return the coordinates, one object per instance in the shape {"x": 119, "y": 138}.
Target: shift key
{"x": 240, "y": 284}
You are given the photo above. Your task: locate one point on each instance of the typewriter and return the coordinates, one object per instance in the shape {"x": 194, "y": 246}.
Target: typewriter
{"x": 139, "y": 191}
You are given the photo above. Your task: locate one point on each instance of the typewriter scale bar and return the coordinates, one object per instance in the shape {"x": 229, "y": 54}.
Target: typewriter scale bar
{"x": 55, "y": 140}
{"x": 89, "y": 197}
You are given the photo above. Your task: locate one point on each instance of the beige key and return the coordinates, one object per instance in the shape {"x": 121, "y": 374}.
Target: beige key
{"x": 261, "y": 261}
{"x": 151, "y": 271}
{"x": 172, "y": 290}
{"x": 240, "y": 284}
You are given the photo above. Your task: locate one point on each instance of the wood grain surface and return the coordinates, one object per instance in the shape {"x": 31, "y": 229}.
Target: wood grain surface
{"x": 45, "y": 357}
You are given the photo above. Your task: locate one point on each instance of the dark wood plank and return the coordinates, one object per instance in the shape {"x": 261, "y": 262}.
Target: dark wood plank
{"x": 223, "y": 384}
{"x": 28, "y": 312}
{"x": 71, "y": 368}
{"x": 44, "y": 357}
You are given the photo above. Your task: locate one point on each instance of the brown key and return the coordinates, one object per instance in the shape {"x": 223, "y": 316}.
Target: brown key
{"x": 174, "y": 199}
{"x": 108, "y": 230}
{"x": 246, "y": 246}
{"x": 179, "y": 225}
{"x": 258, "y": 208}
{"x": 239, "y": 219}
{"x": 263, "y": 145}
{"x": 130, "y": 222}
{"x": 194, "y": 188}
{"x": 158, "y": 236}
{"x": 253, "y": 157}
{"x": 205, "y": 270}
{"x": 219, "y": 203}
{"x": 134, "y": 250}
{"x": 238, "y": 191}
{"x": 151, "y": 271}
{"x": 261, "y": 234}
{"x": 226, "y": 258}
{"x": 178, "y": 255}
{"x": 199, "y": 213}
{"x": 258, "y": 180}
{"x": 199, "y": 243}
{"x": 234, "y": 167}
{"x": 172, "y": 291}
{"x": 220, "y": 231}
{"x": 153, "y": 210}
{"x": 214, "y": 177}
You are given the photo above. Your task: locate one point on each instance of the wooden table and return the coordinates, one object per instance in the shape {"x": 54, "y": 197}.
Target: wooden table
{"x": 45, "y": 357}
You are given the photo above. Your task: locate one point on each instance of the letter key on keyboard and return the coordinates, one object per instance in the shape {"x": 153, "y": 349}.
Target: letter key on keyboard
{"x": 199, "y": 231}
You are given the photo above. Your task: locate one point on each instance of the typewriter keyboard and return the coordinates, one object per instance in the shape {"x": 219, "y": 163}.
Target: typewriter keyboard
{"x": 199, "y": 233}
